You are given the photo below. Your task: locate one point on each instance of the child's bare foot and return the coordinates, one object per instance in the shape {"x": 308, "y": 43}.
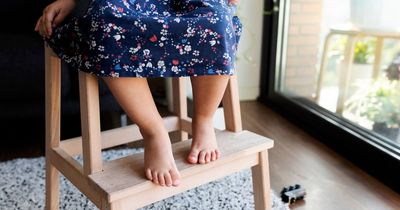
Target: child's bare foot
{"x": 204, "y": 147}
{"x": 158, "y": 159}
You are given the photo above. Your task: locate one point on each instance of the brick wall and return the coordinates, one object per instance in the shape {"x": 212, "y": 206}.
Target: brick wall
{"x": 303, "y": 47}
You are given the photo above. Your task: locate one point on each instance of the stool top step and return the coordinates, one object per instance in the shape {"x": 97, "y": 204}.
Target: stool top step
{"x": 125, "y": 176}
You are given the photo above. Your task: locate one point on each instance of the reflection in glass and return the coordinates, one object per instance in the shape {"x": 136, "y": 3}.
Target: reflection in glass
{"x": 344, "y": 55}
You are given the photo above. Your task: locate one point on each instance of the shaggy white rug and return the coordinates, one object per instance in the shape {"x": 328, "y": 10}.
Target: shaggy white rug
{"x": 22, "y": 187}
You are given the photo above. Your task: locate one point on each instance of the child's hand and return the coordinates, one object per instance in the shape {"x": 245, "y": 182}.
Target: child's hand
{"x": 231, "y": 2}
{"x": 53, "y": 15}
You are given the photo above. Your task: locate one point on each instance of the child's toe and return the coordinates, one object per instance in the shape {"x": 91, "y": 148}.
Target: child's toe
{"x": 148, "y": 174}
{"x": 161, "y": 180}
{"x": 202, "y": 157}
{"x": 155, "y": 177}
{"x": 193, "y": 156}
{"x": 168, "y": 180}
{"x": 213, "y": 156}
{"x": 175, "y": 177}
{"x": 208, "y": 157}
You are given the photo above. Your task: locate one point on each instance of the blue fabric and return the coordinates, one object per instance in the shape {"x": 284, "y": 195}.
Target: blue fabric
{"x": 151, "y": 38}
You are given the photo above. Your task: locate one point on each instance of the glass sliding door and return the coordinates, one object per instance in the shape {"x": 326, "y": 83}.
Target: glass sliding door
{"x": 333, "y": 68}
{"x": 344, "y": 56}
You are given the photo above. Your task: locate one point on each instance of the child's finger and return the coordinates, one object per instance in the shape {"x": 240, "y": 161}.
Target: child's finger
{"x": 43, "y": 27}
{"x": 37, "y": 24}
{"x": 48, "y": 20}
{"x": 233, "y": 2}
{"x": 60, "y": 16}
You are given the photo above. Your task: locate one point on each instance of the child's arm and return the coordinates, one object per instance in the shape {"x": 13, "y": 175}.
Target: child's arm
{"x": 53, "y": 15}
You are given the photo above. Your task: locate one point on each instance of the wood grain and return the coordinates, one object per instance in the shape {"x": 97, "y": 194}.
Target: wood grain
{"x": 331, "y": 181}
{"x": 124, "y": 176}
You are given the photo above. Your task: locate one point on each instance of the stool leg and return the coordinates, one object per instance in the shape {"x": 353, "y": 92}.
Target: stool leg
{"x": 116, "y": 205}
{"x": 261, "y": 185}
{"x": 231, "y": 105}
{"x": 90, "y": 122}
{"x": 52, "y": 187}
{"x": 52, "y": 107}
{"x": 180, "y": 102}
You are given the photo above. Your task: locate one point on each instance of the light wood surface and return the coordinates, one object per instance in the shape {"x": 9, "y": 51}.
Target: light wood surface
{"x": 53, "y": 109}
{"x": 331, "y": 182}
{"x": 117, "y": 136}
{"x": 179, "y": 99}
{"x": 231, "y": 104}
{"x": 196, "y": 179}
{"x": 260, "y": 174}
{"x": 73, "y": 171}
{"x": 90, "y": 121}
{"x": 124, "y": 176}
{"x": 121, "y": 184}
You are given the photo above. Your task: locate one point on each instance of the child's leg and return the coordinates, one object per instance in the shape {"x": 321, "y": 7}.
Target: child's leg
{"x": 207, "y": 95}
{"x": 134, "y": 96}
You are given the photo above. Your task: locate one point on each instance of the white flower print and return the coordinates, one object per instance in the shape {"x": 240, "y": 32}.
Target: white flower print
{"x": 196, "y": 52}
{"x": 135, "y": 49}
{"x": 125, "y": 36}
{"x": 95, "y": 26}
{"x": 190, "y": 32}
{"x": 212, "y": 42}
{"x": 164, "y": 32}
{"x": 226, "y": 55}
{"x": 175, "y": 69}
{"x": 118, "y": 37}
{"x": 160, "y": 63}
{"x": 146, "y": 52}
{"x": 177, "y": 20}
{"x": 188, "y": 48}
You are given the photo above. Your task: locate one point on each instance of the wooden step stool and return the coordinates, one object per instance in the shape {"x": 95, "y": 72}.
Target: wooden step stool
{"x": 120, "y": 183}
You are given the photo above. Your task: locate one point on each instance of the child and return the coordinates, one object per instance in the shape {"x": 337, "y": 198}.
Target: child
{"x": 126, "y": 41}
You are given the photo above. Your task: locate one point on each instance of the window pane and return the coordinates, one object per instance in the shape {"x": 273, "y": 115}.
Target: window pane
{"x": 344, "y": 55}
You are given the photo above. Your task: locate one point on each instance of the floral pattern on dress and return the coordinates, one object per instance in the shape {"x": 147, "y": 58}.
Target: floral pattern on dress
{"x": 151, "y": 38}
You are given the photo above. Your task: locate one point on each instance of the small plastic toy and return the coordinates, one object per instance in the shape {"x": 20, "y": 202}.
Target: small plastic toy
{"x": 292, "y": 193}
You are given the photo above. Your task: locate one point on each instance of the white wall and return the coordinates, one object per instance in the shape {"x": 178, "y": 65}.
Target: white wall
{"x": 249, "y": 51}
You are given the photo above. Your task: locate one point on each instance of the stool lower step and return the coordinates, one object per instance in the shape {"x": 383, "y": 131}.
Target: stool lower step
{"x": 122, "y": 181}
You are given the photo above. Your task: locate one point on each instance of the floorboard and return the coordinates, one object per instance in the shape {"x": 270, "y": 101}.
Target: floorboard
{"x": 331, "y": 182}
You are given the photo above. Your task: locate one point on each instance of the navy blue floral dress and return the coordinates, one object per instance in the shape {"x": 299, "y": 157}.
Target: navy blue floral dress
{"x": 151, "y": 38}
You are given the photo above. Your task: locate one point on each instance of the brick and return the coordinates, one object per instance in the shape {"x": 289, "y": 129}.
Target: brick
{"x": 300, "y": 40}
{"x": 295, "y": 8}
{"x": 290, "y": 71}
{"x": 294, "y": 29}
{"x": 305, "y": 1}
{"x": 298, "y": 81}
{"x": 301, "y": 61}
{"x": 312, "y": 7}
{"x": 305, "y": 18}
{"x": 307, "y": 51}
{"x": 308, "y": 72}
{"x": 310, "y": 29}
{"x": 291, "y": 51}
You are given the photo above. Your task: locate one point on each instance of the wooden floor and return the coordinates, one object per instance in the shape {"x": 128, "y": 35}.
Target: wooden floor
{"x": 332, "y": 183}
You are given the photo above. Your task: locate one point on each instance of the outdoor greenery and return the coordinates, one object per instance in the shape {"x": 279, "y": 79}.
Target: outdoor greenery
{"x": 379, "y": 102}
{"x": 364, "y": 51}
